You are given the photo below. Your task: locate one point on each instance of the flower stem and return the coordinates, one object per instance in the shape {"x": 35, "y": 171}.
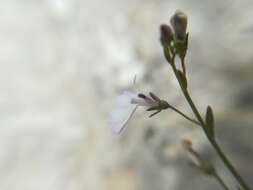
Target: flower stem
{"x": 183, "y": 66}
{"x": 228, "y": 164}
{"x": 215, "y": 145}
{"x": 184, "y": 115}
{"x": 222, "y": 183}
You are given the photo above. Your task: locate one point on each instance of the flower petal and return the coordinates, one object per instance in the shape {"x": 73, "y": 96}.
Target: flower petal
{"x": 123, "y": 111}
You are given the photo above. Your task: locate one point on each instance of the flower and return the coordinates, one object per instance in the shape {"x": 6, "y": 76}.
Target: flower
{"x": 126, "y": 105}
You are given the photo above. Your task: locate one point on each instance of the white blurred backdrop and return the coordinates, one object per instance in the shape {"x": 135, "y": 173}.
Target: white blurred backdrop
{"x": 63, "y": 62}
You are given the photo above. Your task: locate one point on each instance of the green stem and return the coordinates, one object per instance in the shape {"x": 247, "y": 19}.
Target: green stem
{"x": 225, "y": 160}
{"x": 222, "y": 183}
{"x": 188, "y": 98}
{"x": 185, "y": 116}
{"x": 228, "y": 164}
{"x": 183, "y": 66}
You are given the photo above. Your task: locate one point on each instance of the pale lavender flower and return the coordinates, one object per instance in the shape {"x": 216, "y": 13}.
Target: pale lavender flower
{"x": 126, "y": 105}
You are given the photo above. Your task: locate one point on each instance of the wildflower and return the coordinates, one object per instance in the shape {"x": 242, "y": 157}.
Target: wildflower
{"x": 126, "y": 105}
{"x": 179, "y": 24}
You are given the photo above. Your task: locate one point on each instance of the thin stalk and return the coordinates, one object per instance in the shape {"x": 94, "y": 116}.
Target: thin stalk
{"x": 220, "y": 181}
{"x": 188, "y": 98}
{"x": 184, "y": 115}
{"x": 183, "y": 66}
{"x": 228, "y": 164}
{"x": 225, "y": 160}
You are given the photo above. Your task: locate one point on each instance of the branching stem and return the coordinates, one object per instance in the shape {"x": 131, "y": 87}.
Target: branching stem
{"x": 185, "y": 116}
{"x": 211, "y": 139}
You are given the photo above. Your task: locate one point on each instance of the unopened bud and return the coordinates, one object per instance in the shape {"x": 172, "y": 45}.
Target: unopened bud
{"x": 187, "y": 143}
{"x": 166, "y": 35}
{"x": 179, "y": 24}
{"x": 196, "y": 161}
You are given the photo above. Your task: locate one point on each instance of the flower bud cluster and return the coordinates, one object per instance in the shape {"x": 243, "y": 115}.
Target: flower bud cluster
{"x": 174, "y": 38}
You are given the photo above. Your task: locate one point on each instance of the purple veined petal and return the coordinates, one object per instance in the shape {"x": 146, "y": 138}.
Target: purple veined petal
{"x": 123, "y": 111}
{"x": 140, "y": 102}
{"x": 143, "y": 101}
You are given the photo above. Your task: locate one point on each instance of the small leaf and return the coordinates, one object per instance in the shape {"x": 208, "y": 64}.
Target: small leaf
{"x": 210, "y": 121}
{"x": 182, "y": 79}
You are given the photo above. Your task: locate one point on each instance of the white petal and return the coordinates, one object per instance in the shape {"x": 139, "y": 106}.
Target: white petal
{"x": 123, "y": 111}
{"x": 139, "y": 101}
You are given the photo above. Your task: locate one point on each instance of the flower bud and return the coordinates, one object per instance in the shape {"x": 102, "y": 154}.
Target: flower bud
{"x": 179, "y": 24}
{"x": 196, "y": 161}
{"x": 187, "y": 143}
{"x": 166, "y": 35}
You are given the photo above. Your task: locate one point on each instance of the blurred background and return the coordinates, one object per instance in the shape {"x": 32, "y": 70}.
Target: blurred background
{"x": 63, "y": 62}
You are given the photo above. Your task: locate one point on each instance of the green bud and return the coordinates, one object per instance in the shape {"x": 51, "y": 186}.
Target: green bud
{"x": 181, "y": 47}
{"x": 166, "y": 35}
{"x": 179, "y": 24}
